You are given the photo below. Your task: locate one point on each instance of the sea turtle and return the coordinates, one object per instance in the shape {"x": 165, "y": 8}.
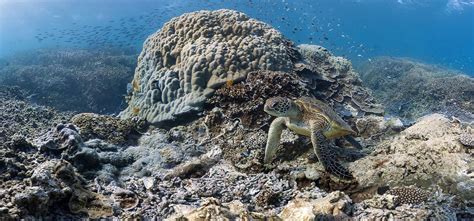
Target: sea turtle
{"x": 308, "y": 117}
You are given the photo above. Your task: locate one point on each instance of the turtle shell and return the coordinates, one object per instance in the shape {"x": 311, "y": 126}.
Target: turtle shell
{"x": 312, "y": 108}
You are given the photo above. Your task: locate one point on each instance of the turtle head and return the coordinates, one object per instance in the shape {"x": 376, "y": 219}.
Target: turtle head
{"x": 281, "y": 107}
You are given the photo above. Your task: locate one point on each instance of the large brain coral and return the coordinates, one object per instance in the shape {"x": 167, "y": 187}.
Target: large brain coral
{"x": 194, "y": 54}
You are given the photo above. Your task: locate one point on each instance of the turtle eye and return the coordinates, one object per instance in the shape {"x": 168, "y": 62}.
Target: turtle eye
{"x": 273, "y": 105}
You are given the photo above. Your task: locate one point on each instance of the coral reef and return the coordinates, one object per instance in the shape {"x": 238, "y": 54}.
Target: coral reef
{"x": 18, "y": 116}
{"x": 194, "y": 54}
{"x": 209, "y": 166}
{"x": 425, "y": 154}
{"x": 332, "y": 79}
{"x": 411, "y": 89}
{"x": 72, "y": 79}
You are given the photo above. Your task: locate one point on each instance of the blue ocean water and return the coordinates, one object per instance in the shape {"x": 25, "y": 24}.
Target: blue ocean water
{"x": 434, "y": 31}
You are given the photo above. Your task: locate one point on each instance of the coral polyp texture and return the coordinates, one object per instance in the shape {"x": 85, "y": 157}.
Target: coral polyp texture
{"x": 194, "y": 54}
{"x": 409, "y": 195}
{"x": 467, "y": 139}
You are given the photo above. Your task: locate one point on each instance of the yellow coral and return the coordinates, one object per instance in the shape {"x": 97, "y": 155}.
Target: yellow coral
{"x": 135, "y": 110}
{"x": 229, "y": 83}
{"x": 135, "y": 84}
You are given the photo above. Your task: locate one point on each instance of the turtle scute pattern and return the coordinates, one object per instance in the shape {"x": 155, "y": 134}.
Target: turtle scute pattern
{"x": 312, "y": 105}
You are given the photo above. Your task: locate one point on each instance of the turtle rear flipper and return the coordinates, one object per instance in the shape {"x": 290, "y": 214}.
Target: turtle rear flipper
{"x": 353, "y": 142}
{"x": 326, "y": 155}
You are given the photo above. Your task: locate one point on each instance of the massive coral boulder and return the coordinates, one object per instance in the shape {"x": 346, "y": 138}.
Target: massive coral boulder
{"x": 194, "y": 54}
{"x": 411, "y": 89}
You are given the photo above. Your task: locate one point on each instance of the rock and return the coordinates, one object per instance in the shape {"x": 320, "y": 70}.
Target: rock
{"x": 34, "y": 199}
{"x": 311, "y": 173}
{"x": 55, "y": 182}
{"x": 19, "y": 143}
{"x": 387, "y": 201}
{"x": 149, "y": 182}
{"x": 197, "y": 167}
{"x": 425, "y": 154}
{"x": 212, "y": 209}
{"x": 3, "y": 210}
{"x": 374, "y": 128}
{"x": 196, "y": 53}
{"x": 85, "y": 201}
{"x": 336, "y": 205}
{"x": 404, "y": 212}
{"x": 125, "y": 199}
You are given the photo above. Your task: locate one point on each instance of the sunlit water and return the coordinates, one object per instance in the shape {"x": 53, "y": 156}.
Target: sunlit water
{"x": 434, "y": 31}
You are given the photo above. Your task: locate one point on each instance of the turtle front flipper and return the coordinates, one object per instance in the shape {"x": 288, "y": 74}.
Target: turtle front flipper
{"x": 325, "y": 155}
{"x": 274, "y": 136}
